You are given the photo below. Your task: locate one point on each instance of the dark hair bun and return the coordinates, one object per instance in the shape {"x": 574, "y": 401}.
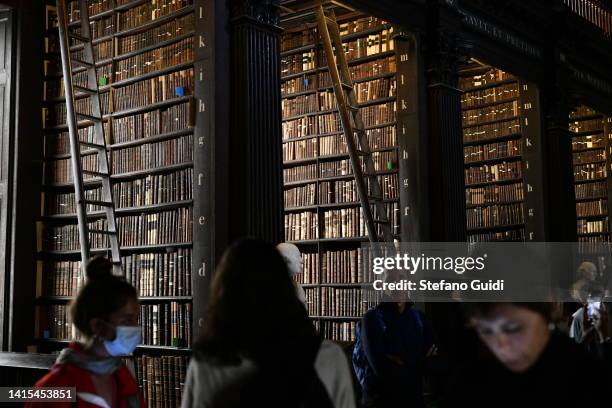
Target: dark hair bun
{"x": 99, "y": 268}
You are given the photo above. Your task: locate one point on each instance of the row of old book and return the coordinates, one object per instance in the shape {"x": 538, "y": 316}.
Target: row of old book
{"x": 142, "y": 157}
{"x": 492, "y": 151}
{"x": 331, "y": 145}
{"x": 588, "y": 142}
{"x": 131, "y": 17}
{"x": 166, "y": 324}
{"x": 152, "y": 274}
{"x": 592, "y": 226}
{"x": 494, "y": 194}
{"x": 306, "y": 37}
{"x": 152, "y": 123}
{"x": 591, "y": 190}
{"x": 362, "y": 47}
{"x": 503, "y": 111}
{"x": 592, "y": 171}
{"x": 491, "y": 131}
{"x": 590, "y": 156}
{"x": 336, "y": 266}
{"x": 495, "y": 172}
{"x": 161, "y": 379}
{"x": 592, "y": 208}
{"x": 495, "y": 215}
{"x": 164, "y": 227}
{"x": 589, "y": 125}
{"x": 383, "y": 161}
{"x": 514, "y": 234}
{"x": 320, "y": 80}
{"x": 155, "y": 60}
{"x": 487, "y": 96}
{"x": 145, "y": 191}
{"x": 337, "y": 192}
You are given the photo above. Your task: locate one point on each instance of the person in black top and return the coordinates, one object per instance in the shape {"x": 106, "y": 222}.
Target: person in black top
{"x": 526, "y": 363}
{"x": 396, "y": 339}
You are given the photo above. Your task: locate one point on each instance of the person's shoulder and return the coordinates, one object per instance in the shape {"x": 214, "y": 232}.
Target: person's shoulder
{"x": 205, "y": 366}
{"x": 59, "y": 375}
{"x": 330, "y": 349}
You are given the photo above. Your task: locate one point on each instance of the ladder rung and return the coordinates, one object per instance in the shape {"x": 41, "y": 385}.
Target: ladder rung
{"x": 105, "y": 232}
{"x": 85, "y": 90}
{"x": 83, "y": 63}
{"x": 98, "y": 203}
{"x": 89, "y": 117}
{"x": 381, "y": 221}
{"x": 352, "y": 108}
{"x": 375, "y": 198}
{"x": 92, "y": 145}
{"x": 346, "y": 86}
{"x": 361, "y": 153}
{"x": 95, "y": 173}
{"x": 78, "y": 37}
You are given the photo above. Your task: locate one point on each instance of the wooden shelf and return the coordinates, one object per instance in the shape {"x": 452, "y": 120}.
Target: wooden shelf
{"x": 156, "y": 170}
{"x": 152, "y": 74}
{"x": 153, "y": 47}
{"x": 152, "y": 106}
{"x": 471, "y": 206}
{"x": 493, "y": 161}
{"x": 483, "y": 142}
{"x": 594, "y": 198}
{"x": 496, "y": 182}
{"x": 151, "y": 139}
{"x": 489, "y": 85}
{"x": 121, "y": 211}
{"x": 489, "y": 104}
{"x": 490, "y": 122}
{"x": 124, "y": 249}
{"x": 153, "y": 23}
{"x": 591, "y": 217}
{"x": 595, "y": 180}
{"x": 332, "y": 206}
{"x": 495, "y": 228}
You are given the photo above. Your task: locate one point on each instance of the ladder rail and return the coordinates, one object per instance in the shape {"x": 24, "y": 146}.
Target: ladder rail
{"x": 96, "y": 116}
{"x": 103, "y": 162}
{"x": 374, "y": 185}
{"x": 353, "y": 126}
{"x": 71, "y": 120}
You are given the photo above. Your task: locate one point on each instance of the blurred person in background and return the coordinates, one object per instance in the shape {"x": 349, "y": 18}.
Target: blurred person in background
{"x": 259, "y": 347}
{"x": 105, "y": 313}
{"x": 525, "y": 362}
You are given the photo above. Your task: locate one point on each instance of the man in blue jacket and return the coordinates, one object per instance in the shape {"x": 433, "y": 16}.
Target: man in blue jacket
{"x": 396, "y": 340}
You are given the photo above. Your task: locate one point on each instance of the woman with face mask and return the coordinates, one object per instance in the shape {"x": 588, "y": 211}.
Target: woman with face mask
{"x": 525, "y": 362}
{"x": 105, "y": 312}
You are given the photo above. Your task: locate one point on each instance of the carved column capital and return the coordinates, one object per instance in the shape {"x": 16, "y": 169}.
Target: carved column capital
{"x": 264, "y": 12}
{"x": 446, "y": 52}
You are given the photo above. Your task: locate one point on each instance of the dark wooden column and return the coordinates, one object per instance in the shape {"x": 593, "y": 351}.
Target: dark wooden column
{"x": 446, "y": 168}
{"x": 560, "y": 201}
{"x": 255, "y": 138}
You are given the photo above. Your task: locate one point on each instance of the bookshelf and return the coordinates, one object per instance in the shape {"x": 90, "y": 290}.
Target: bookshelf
{"x": 591, "y": 160}
{"x": 145, "y": 60}
{"x": 500, "y": 120}
{"x": 322, "y": 207}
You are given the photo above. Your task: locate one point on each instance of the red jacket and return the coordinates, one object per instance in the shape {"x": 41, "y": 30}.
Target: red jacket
{"x": 69, "y": 375}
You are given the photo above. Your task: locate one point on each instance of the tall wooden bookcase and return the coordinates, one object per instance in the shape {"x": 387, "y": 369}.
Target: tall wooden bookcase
{"x": 155, "y": 68}
{"x": 591, "y": 160}
{"x": 322, "y": 210}
{"x": 502, "y": 155}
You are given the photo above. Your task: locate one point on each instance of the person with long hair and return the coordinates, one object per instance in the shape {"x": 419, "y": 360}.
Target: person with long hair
{"x": 105, "y": 313}
{"x": 259, "y": 348}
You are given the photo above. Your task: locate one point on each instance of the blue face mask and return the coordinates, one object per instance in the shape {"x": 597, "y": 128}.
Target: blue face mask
{"x": 125, "y": 342}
